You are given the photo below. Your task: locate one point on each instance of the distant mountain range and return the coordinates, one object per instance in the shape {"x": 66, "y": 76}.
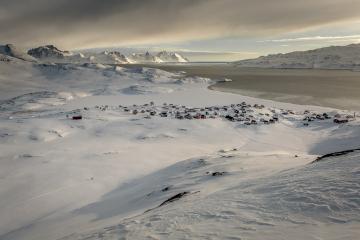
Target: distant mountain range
{"x": 52, "y": 54}
{"x": 334, "y": 57}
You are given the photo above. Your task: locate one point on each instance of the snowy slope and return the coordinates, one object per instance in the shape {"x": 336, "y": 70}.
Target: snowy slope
{"x": 122, "y": 173}
{"x": 13, "y": 51}
{"x": 235, "y": 195}
{"x": 334, "y": 57}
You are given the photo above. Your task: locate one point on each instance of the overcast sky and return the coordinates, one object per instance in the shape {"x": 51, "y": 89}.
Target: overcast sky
{"x": 237, "y": 28}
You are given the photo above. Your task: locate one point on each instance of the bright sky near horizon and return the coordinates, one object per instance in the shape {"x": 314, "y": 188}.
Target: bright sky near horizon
{"x": 208, "y": 29}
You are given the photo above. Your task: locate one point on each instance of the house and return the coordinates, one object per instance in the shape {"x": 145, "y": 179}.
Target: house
{"x": 188, "y": 116}
{"x": 163, "y": 114}
{"x": 197, "y": 116}
{"x": 340, "y": 121}
{"x": 326, "y": 116}
{"x": 78, "y": 117}
{"x": 320, "y": 117}
{"x": 230, "y": 118}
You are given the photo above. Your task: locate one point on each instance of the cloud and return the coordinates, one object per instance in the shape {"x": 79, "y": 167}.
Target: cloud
{"x": 315, "y": 38}
{"x": 95, "y": 23}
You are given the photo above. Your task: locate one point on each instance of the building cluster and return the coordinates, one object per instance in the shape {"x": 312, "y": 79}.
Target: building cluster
{"x": 244, "y": 113}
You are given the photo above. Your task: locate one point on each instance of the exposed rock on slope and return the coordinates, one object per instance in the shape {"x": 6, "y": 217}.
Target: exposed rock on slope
{"x": 48, "y": 51}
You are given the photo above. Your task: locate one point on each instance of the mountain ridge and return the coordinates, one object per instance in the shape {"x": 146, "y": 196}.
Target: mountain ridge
{"x": 52, "y": 54}
{"x": 332, "y": 57}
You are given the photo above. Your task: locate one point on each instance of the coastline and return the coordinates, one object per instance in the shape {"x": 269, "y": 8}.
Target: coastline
{"x": 319, "y": 87}
{"x": 291, "y": 99}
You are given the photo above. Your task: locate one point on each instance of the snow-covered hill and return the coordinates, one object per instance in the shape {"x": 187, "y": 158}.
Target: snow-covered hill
{"x": 97, "y": 151}
{"x": 12, "y": 51}
{"x": 107, "y": 57}
{"x": 161, "y": 57}
{"x": 171, "y": 57}
{"x": 334, "y": 57}
{"x": 52, "y": 54}
{"x": 49, "y": 51}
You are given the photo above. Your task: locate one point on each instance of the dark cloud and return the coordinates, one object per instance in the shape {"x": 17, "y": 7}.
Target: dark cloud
{"x": 90, "y": 23}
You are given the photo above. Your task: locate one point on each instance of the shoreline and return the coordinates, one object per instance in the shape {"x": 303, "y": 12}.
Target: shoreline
{"x": 278, "y": 99}
{"x": 318, "y": 87}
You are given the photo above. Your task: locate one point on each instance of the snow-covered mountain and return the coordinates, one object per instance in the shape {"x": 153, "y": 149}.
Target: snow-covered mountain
{"x": 334, "y": 57}
{"x": 171, "y": 57}
{"x": 10, "y": 50}
{"x": 160, "y": 57}
{"x": 50, "y": 53}
{"x": 144, "y": 58}
{"x": 107, "y": 57}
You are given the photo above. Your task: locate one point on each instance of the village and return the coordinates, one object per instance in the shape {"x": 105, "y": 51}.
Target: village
{"x": 243, "y": 113}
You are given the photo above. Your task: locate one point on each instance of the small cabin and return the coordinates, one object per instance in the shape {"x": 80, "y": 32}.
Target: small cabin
{"x": 340, "y": 121}
{"x": 78, "y": 117}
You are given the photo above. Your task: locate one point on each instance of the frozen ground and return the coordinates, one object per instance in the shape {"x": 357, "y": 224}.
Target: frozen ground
{"x": 118, "y": 175}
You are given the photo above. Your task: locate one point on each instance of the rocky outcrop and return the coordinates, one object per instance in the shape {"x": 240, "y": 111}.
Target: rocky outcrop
{"x": 48, "y": 51}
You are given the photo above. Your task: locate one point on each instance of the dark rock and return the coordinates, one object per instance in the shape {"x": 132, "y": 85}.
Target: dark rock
{"x": 335, "y": 154}
{"x": 174, "y": 198}
{"x": 214, "y": 174}
{"x": 77, "y": 117}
